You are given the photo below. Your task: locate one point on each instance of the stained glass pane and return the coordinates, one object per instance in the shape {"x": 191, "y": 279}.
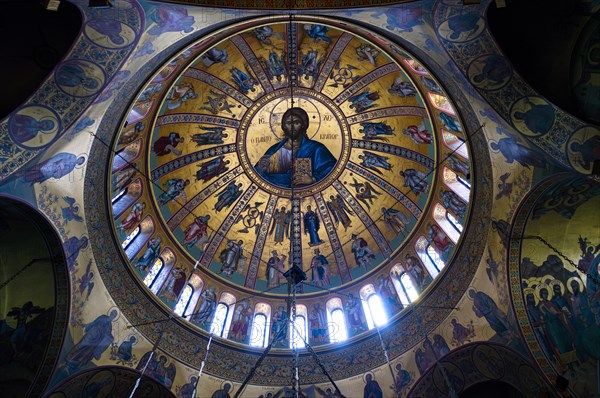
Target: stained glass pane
{"x": 153, "y": 272}
{"x": 298, "y": 335}
{"x": 422, "y": 247}
{"x": 337, "y": 326}
{"x": 377, "y": 310}
{"x": 409, "y": 288}
{"x": 219, "y": 319}
{"x": 259, "y": 337}
{"x": 184, "y": 300}
{"x": 130, "y": 237}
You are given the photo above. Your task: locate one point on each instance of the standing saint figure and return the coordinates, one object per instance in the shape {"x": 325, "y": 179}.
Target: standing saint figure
{"x": 197, "y": 231}
{"x": 280, "y": 162}
{"x": 281, "y": 225}
{"x": 363, "y": 254}
{"x": 232, "y": 257}
{"x": 318, "y": 324}
{"x": 311, "y": 226}
{"x": 340, "y": 211}
{"x": 96, "y": 339}
{"x": 174, "y": 285}
{"x": 275, "y": 269}
{"x": 320, "y": 269}
{"x": 241, "y": 321}
{"x": 354, "y": 313}
{"x": 133, "y": 218}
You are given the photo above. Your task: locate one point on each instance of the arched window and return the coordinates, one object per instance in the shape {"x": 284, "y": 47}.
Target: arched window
{"x": 223, "y": 314}
{"x": 132, "y": 235}
{"x": 184, "y": 300}
{"x": 259, "y": 336}
{"x": 139, "y": 239}
{"x": 198, "y": 284}
{"x": 395, "y": 275}
{"x": 126, "y": 197}
{"x": 441, "y": 103}
{"x": 373, "y": 306}
{"x": 428, "y": 256}
{"x": 127, "y": 155}
{"x": 408, "y": 287}
{"x": 460, "y": 188}
{"x": 455, "y": 143}
{"x": 440, "y": 216}
{"x": 336, "y": 320}
{"x": 454, "y": 222}
{"x": 119, "y": 196}
{"x": 299, "y": 334}
{"x": 153, "y": 272}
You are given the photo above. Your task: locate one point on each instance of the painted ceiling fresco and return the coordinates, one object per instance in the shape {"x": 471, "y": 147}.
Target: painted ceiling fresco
{"x": 208, "y": 132}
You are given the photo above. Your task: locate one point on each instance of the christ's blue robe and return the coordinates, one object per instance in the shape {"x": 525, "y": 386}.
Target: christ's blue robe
{"x": 322, "y": 162}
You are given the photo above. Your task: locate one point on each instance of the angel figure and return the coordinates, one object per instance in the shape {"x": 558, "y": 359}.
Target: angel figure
{"x": 365, "y": 192}
{"x": 281, "y": 225}
{"x": 85, "y": 281}
{"x": 70, "y": 213}
{"x": 310, "y": 65}
{"x": 374, "y": 161}
{"x": 274, "y": 66}
{"x": 504, "y": 187}
{"x": 588, "y": 254}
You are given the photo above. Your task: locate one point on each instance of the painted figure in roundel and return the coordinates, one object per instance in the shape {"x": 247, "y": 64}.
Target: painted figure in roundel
{"x": 311, "y": 160}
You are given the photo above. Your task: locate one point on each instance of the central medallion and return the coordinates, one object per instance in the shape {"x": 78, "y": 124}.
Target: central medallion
{"x": 294, "y": 142}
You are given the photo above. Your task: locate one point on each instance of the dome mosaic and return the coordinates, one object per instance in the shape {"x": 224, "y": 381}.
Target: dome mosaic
{"x": 276, "y": 143}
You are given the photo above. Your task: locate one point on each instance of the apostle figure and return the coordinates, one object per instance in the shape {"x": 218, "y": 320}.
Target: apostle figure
{"x": 372, "y": 388}
{"x": 280, "y": 162}
{"x": 196, "y": 232}
{"x": 96, "y": 339}
{"x": 354, "y": 313}
{"x": 318, "y": 324}
{"x": 279, "y": 325}
{"x": 133, "y": 218}
{"x": 241, "y": 321}
{"x": 320, "y": 269}
{"x": 228, "y": 195}
{"x": 275, "y": 269}
{"x": 281, "y": 225}
{"x": 311, "y": 226}
{"x": 484, "y": 306}
{"x": 175, "y": 187}
{"x": 174, "y": 285}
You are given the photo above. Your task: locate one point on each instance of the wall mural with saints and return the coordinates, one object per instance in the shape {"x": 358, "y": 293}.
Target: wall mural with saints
{"x": 558, "y": 270}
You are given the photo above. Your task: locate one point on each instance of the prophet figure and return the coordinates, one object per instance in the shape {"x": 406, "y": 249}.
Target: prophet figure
{"x": 281, "y": 225}
{"x": 415, "y": 180}
{"x": 166, "y": 144}
{"x": 175, "y": 187}
{"x": 232, "y": 257}
{"x": 293, "y": 152}
{"x": 275, "y": 269}
{"x": 363, "y": 254}
{"x": 320, "y": 269}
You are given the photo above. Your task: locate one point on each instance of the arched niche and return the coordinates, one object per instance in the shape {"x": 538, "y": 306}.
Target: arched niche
{"x": 34, "y": 299}
{"x": 554, "y": 277}
{"x": 109, "y": 381}
{"x": 481, "y": 364}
